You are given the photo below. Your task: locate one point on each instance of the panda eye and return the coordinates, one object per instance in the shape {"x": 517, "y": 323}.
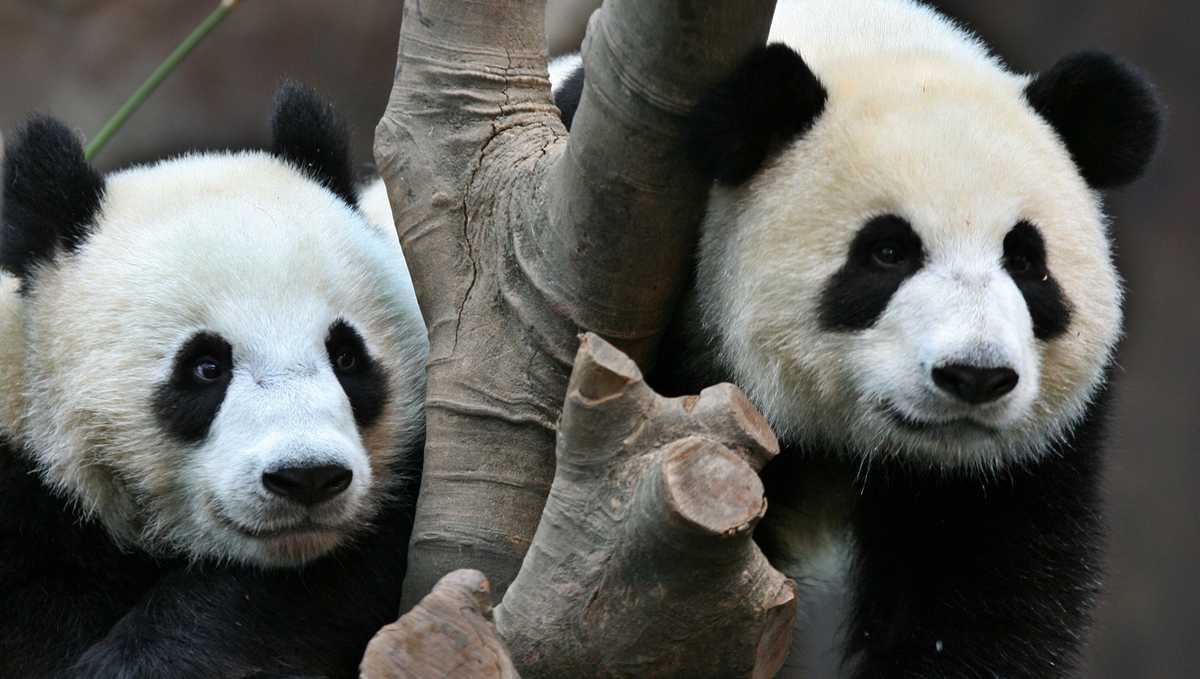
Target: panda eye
{"x": 346, "y": 360}
{"x": 207, "y": 370}
{"x": 1018, "y": 264}
{"x": 887, "y": 254}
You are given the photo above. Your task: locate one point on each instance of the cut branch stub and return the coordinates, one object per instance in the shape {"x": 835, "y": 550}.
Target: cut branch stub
{"x": 448, "y": 634}
{"x": 643, "y": 563}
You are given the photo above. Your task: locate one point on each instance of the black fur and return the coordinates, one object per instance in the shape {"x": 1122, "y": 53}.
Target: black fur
{"x": 51, "y": 196}
{"x": 568, "y": 94}
{"x": 958, "y": 577}
{"x": 77, "y": 607}
{"x": 859, "y": 292}
{"x": 1106, "y": 113}
{"x": 62, "y": 580}
{"x": 310, "y": 134}
{"x": 184, "y": 405}
{"x": 771, "y": 99}
{"x": 366, "y": 383}
{"x": 1025, "y": 261}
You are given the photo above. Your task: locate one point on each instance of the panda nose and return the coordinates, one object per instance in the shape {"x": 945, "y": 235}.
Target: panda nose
{"x": 975, "y": 385}
{"x": 308, "y": 485}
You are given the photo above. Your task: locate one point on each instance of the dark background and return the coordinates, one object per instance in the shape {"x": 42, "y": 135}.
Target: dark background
{"x": 79, "y": 60}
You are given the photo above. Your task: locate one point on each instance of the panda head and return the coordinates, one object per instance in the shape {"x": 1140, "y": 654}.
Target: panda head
{"x": 221, "y": 358}
{"x": 909, "y": 256}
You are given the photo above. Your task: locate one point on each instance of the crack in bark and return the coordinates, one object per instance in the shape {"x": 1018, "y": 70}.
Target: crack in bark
{"x": 466, "y": 210}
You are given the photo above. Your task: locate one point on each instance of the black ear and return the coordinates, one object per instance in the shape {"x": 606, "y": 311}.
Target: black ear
{"x": 310, "y": 134}
{"x": 772, "y": 98}
{"x": 51, "y": 195}
{"x": 1106, "y": 113}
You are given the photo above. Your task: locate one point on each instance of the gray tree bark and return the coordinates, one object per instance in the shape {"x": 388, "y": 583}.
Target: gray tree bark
{"x": 643, "y": 564}
{"x": 519, "y": 238}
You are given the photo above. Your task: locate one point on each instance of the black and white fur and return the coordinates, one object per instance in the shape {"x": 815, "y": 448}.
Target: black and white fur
{"x": 211, "y": 423}
{"x": 905, "y": 263}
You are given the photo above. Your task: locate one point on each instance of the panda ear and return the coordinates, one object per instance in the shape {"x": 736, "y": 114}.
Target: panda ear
{"x": 772, "y": 98}
{"x": 310, "y": 134}
{"x": 52, "y": 196}
{"x": 1106, "y": 113}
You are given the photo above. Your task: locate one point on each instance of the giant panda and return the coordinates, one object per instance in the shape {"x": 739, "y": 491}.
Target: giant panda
{"x": 211, "y": 416}
{"x": 905, "y": 262}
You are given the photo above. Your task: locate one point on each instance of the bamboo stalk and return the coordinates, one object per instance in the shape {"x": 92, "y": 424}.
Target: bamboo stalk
{"x": 117, "y": 121}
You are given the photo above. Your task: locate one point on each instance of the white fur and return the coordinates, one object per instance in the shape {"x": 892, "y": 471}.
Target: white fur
{"x": 923, "y": 123}
{"x": 562, "y": 67}
{"x": 244, "y": 246}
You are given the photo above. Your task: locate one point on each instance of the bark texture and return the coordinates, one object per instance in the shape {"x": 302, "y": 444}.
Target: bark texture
{"x": 518, "y": 239}
{"x": 643, "y": 563}
{"x": 448, "y": 634}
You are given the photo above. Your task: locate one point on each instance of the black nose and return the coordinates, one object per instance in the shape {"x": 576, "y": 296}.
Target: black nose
{"x": 308, "y": 485}
{"x": 975, "y": 385}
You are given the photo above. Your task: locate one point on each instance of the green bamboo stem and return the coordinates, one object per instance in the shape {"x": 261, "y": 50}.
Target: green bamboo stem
{"x": 115, "y": 123}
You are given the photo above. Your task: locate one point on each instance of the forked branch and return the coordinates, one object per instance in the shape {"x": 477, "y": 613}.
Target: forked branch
{"x": 643, "y": 564}
{"x": 518, "y": 239}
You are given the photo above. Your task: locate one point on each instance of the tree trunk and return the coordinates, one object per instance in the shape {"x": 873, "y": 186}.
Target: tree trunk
{"x": 518, "y": 239}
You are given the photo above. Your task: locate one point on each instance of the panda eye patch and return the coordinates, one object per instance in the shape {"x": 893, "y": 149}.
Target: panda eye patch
{"x": 885, "y": 252}
{"x": 1025, "y": 262}
{"x": 362, "y": 378}
{"x": 188, "y": 401}
{"x": 886, "y": 242}
{"x": 1025, "y": 252}
{"x": 1018, "y": 264}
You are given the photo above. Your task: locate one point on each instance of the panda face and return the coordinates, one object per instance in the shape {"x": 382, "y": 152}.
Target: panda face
{"x": 924, "y": 272}
{"x": 228, "y": 365}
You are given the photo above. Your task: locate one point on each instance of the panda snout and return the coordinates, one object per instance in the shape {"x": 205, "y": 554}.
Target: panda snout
{"x": 973, "y": 384}
{"x": 308, "y": 484}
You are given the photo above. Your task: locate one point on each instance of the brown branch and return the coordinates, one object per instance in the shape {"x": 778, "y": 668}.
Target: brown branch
{"x": 448, "y": 634}
{"x": 517, "y": 242}
{"x": 643, "y": 564}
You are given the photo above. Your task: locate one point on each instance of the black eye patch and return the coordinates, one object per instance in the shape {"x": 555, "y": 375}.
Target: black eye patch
{"x": 188, "y": 402}
{"x": 1025, "y": 262}
{"x": 361, "y": 376}
{"x": 885, "y": 252}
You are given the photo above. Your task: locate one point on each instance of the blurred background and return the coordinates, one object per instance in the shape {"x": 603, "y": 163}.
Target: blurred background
{"x": 80, "y": 60}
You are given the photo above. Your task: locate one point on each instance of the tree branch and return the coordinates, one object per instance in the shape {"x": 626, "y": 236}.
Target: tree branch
{"x": 643, "y": 564}
{"x": 448, "y": 634}
{"x": 625, "y": 200}
{"x": 517, "y": 242}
